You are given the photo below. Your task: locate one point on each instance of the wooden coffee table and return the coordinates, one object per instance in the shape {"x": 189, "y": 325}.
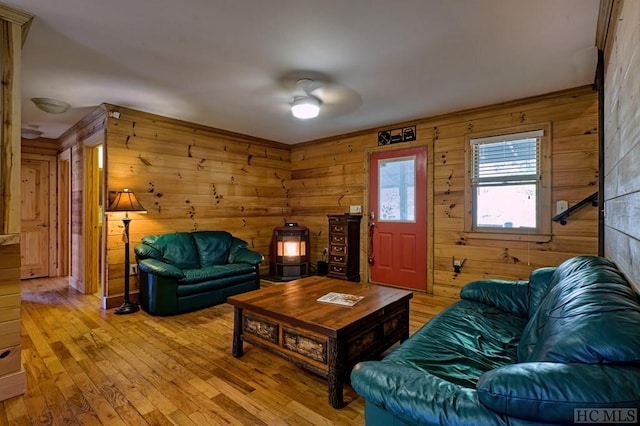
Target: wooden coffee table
{"x": 324, "y": 338}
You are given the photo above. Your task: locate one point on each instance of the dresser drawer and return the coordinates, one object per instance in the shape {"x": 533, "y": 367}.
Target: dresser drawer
{"x": 337, "y": 270}
{"x": 338, "y": 238}
{"x": 338, "y": 250}
{"x": 336, "y": 228}
{"x": 338, "y": 259}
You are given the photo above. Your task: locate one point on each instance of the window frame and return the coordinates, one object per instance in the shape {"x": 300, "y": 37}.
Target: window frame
{"x": 542, "y": 232}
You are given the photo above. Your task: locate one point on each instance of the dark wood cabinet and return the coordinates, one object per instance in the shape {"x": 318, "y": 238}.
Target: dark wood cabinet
{"x": 344, "y": 247}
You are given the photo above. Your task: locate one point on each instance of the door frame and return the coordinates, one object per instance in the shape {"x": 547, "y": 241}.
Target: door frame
{"x": 94, "y": 266}
{"x": 63, "y": 215}
{"x": 53, "y": 268}
{"x": 364, "y": 231}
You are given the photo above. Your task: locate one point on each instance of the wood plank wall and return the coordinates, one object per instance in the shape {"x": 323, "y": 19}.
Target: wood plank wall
{"x": 73, "y": 140}
{"x": 622, "y": 138}
{"x": 40, "y": 146}
{"x": 328, "y": 176}
{"x": 192, "y": 177}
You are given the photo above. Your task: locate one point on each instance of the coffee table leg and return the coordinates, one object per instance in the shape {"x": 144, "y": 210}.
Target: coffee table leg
{"x": 237, "y": 350}
{"x": 405, "y": 324}
{"x": 336, "y": 374}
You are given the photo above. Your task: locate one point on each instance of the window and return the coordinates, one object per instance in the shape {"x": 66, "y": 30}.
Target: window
{"x": 505, "y": 183}
{"x": 397, "y": 191}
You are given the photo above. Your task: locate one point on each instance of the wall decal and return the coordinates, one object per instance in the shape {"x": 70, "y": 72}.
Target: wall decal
{"x": 402, "y": 134}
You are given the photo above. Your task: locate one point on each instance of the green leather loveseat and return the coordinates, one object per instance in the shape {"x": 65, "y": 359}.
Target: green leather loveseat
{"x": 565, "y": 343}
{"x": 186, "y": 271}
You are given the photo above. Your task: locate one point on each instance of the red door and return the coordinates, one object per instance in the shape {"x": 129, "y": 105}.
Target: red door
{"x": 398, "y": 228}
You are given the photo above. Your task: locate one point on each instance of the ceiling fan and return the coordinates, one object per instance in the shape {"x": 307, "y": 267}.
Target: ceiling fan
{"x": 308, "y": 94}
{"x": 307, "y": 106}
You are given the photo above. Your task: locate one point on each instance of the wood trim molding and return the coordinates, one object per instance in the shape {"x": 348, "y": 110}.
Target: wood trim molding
{"x": 162, "y": 121}
{"x": 451, "y": 117}
{"x": 10, "y": 134}
{"x": 15, "y": 16}
{"x": 604, "y": 21}
{"x": 63, "y": 201}
{"x": 9, "y": 239}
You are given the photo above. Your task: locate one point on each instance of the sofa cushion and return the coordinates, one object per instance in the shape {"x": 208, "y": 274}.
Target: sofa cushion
{"x": 462, "y": 343}
{"x": 541, "y": 280}
{"x": 213, "y": 247}
{"x": 177, "y": 249}
{"x": 215, "y": 284}
{"x": 590, "y": 316}
{"x": 214, "y": 272}
{"x": 549, "y": 392}
{"x": 509, "y": 296}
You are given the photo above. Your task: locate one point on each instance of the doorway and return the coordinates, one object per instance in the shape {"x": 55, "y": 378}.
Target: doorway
{"x": 398, "y": 221}
{"x": 92, "y": 217}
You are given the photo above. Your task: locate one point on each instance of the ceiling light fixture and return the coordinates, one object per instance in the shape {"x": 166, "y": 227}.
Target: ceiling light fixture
{"x": 52, "y": 106}
{"x": 30, "y": 133}
{"x": 305, "y": 107}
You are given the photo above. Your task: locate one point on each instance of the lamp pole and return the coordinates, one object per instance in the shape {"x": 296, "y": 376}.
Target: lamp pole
{"x": 127, "y": 307}
{"x": 126, "y": 201}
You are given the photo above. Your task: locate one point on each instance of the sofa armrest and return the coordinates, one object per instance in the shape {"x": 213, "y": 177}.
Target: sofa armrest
{"x": 156, "y": 267}
{"x": 510, "y": 296}
{"x": 417, "y": 396}
{"x": 549, "y": 392}
{"x": 245, "y": 255}
{"x": 145, "y": 251}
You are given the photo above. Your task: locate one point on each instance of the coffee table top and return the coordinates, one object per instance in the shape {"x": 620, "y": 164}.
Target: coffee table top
{"x": 295, "y": 302}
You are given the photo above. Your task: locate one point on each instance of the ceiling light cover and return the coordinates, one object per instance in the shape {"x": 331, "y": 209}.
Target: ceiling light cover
{"x": 30, "y": 133}
{"x": 305, "y": 107}
{"x": 52, "y": 106}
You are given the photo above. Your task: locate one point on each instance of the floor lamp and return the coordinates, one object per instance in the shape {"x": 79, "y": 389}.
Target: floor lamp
{"x": 126, "y": 201}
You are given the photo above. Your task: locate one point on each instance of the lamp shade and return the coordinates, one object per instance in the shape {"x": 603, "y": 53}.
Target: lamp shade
{"x": 305, "y": 107}
{"x": 125, "y": 201}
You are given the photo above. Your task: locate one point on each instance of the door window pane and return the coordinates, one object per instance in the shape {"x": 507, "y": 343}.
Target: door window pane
{"x": 397, "y": 190}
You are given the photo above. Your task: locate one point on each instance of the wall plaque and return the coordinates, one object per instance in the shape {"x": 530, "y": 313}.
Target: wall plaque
{"x": 402, "y": 134}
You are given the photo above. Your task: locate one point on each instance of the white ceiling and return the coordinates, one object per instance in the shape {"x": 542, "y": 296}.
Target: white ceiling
{"x": 218, "y": 63}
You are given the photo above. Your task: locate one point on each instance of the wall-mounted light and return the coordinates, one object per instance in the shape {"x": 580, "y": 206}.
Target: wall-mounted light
{"x": 52, "y": 106}
{"x": 305, "y": 107}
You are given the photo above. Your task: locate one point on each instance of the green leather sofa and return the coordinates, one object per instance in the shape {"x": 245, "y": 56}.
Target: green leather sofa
{"x": 517, "y": 353}
{"x": 186, "y": 271}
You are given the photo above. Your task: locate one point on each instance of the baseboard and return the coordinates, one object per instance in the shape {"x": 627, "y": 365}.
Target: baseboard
{"x": 110, "y": 302}
{"x": 13, "y": 384}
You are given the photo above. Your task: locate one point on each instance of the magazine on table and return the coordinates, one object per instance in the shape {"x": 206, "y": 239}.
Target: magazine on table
{"x": 340, "y": 299}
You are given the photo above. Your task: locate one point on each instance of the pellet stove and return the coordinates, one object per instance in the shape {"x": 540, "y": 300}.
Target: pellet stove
{"x": 290, "y": 252}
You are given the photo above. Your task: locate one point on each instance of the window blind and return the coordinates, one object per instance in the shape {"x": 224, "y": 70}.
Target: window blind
{"x": 506, "y": 159}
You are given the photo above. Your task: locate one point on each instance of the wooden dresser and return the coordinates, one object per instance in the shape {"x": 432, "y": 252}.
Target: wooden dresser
{"x": 344, "y": 247}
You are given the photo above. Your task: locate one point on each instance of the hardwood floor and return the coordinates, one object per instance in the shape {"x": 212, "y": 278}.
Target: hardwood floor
{"x": 85, "y": 365}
